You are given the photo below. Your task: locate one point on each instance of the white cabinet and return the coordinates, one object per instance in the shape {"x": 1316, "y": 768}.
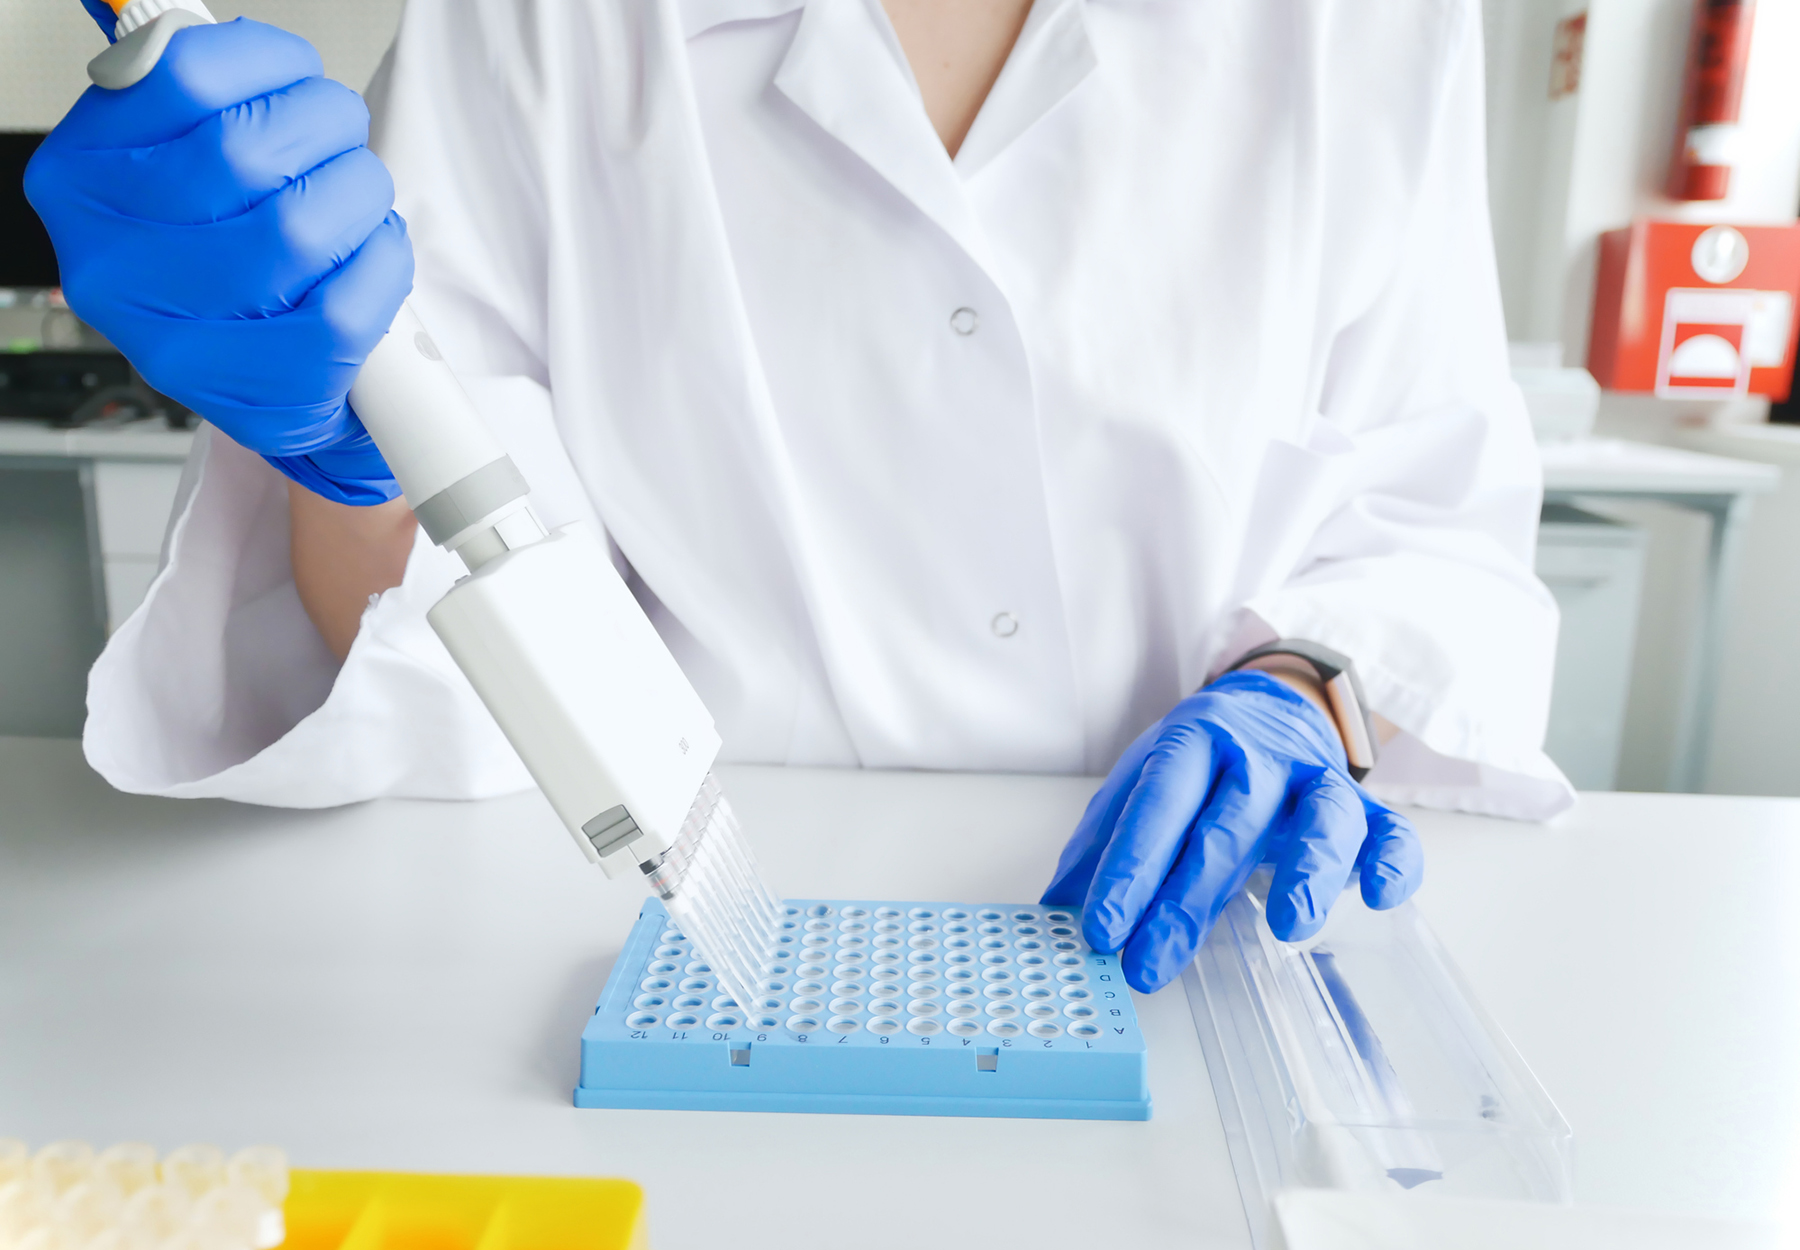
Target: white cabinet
{"x": 82, "y": 514}
{"x": 130, "y": 475}
{"x": 1594, "y": 567}
{"x": 1757, "y": 747}
{"x": 132, "y": 500}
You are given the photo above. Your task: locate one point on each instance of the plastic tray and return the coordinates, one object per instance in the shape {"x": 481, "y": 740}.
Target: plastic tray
{"x": 409, "y": 1211}
{"x": 1359, "y": 1060}
{"x": 875, "y": 1007}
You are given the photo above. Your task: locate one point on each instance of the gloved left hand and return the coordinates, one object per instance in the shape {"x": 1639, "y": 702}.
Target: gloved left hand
{"x": 1245, "y": 772}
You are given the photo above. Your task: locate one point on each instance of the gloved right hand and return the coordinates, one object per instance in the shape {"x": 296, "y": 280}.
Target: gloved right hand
{"x": 1244, "y": 772}
{"x": 223, "y": 223}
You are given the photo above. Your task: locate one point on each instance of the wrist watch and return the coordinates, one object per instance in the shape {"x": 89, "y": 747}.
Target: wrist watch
{"x": 1343, "y": 694}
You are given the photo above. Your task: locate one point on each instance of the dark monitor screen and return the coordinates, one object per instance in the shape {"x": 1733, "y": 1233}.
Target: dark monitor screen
{"x": 26, "y": 258}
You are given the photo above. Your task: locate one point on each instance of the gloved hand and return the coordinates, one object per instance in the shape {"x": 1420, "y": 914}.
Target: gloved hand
{"x": 1247, "y": 771}
{"x": 224, "y": 224}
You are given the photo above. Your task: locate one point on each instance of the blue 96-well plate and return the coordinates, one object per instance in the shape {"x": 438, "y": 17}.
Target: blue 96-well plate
{"x": 875, "y": 1008}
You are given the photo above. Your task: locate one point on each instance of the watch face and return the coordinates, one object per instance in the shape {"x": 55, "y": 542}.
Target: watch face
{"x": 1352, "y": 725}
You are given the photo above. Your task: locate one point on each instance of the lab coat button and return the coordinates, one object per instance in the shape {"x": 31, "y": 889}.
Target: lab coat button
{"x": 1005, "y": 625}
{"x": 964, "y": 321}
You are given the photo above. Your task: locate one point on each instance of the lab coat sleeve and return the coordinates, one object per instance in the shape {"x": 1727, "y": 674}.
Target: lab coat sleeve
{"x": 219, "y": 685}
{"x": 1416, "y": 556}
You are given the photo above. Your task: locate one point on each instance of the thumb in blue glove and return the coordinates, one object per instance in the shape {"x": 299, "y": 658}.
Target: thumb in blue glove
{"x": 103, "y": 16}
{"x": 223, "y": 223}
{"x": 1247, "y": 771}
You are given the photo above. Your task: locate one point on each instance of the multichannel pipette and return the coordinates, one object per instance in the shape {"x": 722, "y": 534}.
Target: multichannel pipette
{"x": 543, "y": 626}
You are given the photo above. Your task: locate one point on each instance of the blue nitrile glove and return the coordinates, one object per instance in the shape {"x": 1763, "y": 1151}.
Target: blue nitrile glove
{"x": 224, "y": 224}
{"x": 1245, "y": 772}
{"x": 103, "y": 16}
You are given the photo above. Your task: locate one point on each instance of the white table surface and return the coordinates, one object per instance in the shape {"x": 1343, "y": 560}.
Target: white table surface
{"x": 1613, "y": 465}
{"x": 402, "y": 985}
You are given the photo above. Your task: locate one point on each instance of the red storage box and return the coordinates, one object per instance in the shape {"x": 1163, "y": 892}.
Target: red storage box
{"x": 1687, "y": 310}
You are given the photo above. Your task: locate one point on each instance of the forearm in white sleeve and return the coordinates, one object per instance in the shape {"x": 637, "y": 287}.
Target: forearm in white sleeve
{"x": 219, "y": 686}
{"x": 1418, "y": 561}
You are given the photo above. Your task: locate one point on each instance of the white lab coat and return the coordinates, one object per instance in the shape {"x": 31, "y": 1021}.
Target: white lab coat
{"x": 914, "y": 462}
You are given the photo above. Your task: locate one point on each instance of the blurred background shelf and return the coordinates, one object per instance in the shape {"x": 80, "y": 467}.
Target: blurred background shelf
{"x": 82, "y": 514}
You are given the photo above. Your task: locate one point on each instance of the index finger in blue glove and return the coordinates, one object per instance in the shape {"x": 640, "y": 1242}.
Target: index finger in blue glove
{"x": 258, "y": 264}
{"x": 204, "y": 69}
{"x": 1170, "y": 791}
{"x": 1221, "y": 852}
{"x": 1081, "y": 855}
{"x": 1391, "y": 865}
{"x": 231, "y": 161}
{"x": 1326, "y": 827}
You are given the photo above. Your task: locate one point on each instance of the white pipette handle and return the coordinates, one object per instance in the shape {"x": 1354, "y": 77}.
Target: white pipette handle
{"x": 454, "y": 473}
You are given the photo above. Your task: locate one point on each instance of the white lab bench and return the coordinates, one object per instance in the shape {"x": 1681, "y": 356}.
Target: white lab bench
{"x": 402, "y": 985}
{"x": 129, "y": 477}
{"x": 1719, "y": 487}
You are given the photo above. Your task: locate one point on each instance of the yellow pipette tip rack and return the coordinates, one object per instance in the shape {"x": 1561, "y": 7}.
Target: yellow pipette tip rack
{"x": 414, "y": 1211}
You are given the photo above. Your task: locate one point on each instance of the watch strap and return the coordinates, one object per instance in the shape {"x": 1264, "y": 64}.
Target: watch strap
{"x": 1343, "y": 695}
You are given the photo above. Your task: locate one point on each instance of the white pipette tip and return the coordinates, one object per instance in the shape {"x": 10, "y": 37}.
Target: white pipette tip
{"x": 709, "y": 881}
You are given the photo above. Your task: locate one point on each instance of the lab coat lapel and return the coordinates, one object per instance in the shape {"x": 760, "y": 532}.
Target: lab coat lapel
{"x": 846, "y": 72}
{"x": 1052, "y": 56}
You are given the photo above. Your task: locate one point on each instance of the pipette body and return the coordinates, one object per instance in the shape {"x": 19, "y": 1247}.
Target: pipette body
{"x": 543, "y": 626}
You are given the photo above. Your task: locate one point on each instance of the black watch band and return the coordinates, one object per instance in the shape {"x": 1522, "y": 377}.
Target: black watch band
{"x": 1343, "y": 693}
